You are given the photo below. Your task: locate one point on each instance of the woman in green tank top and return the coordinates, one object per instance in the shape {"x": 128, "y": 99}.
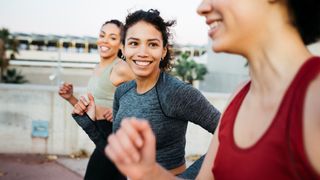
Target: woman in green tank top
{"x": 109, "y": 73}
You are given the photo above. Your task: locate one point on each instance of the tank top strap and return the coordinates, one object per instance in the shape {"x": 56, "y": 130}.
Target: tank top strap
{"x": 229, "y": 116}
{"x": 108, "y": 69}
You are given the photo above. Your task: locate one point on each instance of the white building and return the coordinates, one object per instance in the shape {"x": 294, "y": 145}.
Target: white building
{"x": 227, "y": 71}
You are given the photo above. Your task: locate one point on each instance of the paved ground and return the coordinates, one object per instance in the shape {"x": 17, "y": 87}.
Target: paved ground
{"x": 40, "y": 167}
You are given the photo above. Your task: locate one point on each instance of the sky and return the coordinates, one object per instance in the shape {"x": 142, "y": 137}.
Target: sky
{"x": 85, "y": 17}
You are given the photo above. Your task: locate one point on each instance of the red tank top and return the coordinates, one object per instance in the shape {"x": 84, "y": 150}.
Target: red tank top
{"x": 279, "y": 153}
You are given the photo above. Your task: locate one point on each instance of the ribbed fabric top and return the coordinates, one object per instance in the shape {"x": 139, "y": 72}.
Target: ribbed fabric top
{"x": 279, "y": 153}
{"x": 102, "y": 88}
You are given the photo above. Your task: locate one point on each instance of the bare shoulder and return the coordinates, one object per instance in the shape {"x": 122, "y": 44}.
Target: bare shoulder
{"x": 120, "y": 73}
{"x": 121, "y": 66}
{"x": 311, "y": 123}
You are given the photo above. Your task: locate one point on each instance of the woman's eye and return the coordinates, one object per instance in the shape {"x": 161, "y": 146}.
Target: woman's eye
{"x": 133, "y": 43}
{"x": 153, "y": 44}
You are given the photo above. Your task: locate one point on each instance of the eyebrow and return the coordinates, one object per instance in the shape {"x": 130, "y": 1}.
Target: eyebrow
{"x": 110, "y": 33}
{"x": 136, "y": 39}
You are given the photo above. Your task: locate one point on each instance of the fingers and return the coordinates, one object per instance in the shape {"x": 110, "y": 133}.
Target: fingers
{"x": 81, "y": 106}
{"x": 125, "y": 144}
{"x": 66, "y": 88}
{"x": 107, "y": 114}
{"x": 90, "y": 97}
{"x": 108, "y": 117}
{"x": 77, "y": 110}
{"x": 123, "y": 147}
{"x": 128, "y": 126}
{"x": 83, "y": 101}
{"x": 149, "y": 140}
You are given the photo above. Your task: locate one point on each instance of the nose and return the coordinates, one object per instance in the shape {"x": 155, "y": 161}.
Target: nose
{"x": 105, "y": 39}
{"x": 204, "y": 8}
{"x": 143, "y": 51}
{"x": 102, "y": 40}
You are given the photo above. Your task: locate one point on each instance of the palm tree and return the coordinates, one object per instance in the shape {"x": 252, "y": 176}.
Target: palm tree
{"x": 10, "y": 43}
{"x": 188, "y": 70}
{"x": 14, "y": 76}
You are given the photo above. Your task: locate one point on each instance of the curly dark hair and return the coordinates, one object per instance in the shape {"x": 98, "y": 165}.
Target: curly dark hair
{"x": 152, "y": 16}
{"x": 120, "y": 25}
{"x": 305, "y": 16}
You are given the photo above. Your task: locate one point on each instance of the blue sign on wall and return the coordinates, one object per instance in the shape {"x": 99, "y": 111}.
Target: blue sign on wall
{"x": 40, "y": 129}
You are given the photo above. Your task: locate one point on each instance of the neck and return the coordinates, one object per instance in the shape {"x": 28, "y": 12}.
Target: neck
{"x": 145, "y": 84}
{"x": 104, "y": 62}
{"x": 273, "y": 65}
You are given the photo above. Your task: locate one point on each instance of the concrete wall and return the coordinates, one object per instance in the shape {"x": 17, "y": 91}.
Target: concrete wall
{"x": 226, "y": 71}
{"x": 22, "y": 104}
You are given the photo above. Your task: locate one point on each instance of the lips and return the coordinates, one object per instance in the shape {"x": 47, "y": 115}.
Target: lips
{"x": 104, "y": 48}
{"x": 213, "y": 26}
{"x": 142, "y": 63}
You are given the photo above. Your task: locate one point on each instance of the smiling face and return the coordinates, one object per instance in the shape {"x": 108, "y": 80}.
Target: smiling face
{"x": 144, "y": 49}
{"x": 109, "y": 41}
{"x": 235, "y": 25}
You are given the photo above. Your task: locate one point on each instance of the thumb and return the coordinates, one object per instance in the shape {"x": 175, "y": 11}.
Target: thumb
{"x": 91, "y": 98}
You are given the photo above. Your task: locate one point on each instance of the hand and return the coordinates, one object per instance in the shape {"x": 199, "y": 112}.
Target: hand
{"x": 86, "y": 106}
{"x": 132, "y": 148}
{"x": 107, "y": 114}
{"x": 66, "y": 91}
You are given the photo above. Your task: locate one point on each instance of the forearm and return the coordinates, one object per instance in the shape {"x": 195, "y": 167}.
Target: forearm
{"x": 92, "y": 131}
{"x": 159, "y": 173}
{"x": 72, "y": 100}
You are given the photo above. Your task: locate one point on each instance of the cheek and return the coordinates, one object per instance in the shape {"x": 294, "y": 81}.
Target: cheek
{"x": 99, "y": 41}
{"x": 157, "y": 54}
{"x": 116, "y": 44}
{"x": 127, "y": 53}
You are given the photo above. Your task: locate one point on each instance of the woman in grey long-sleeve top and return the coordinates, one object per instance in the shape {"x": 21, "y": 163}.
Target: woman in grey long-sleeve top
{"x": 166, "y": 102}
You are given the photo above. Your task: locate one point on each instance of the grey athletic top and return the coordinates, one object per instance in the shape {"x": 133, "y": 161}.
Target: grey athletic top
{"x": 168, "y": 107}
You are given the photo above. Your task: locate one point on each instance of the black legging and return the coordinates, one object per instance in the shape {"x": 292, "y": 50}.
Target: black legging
{"x": 100, "y": 166}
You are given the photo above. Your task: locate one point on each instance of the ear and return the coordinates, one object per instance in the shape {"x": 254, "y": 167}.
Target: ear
{"x": 123, "y": 56}
{"x": 164, "y": 53}
{"x": 121, "y": 47}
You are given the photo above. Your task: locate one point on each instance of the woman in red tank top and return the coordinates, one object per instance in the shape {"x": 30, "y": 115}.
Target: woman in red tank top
{"x": 271, "y": 128}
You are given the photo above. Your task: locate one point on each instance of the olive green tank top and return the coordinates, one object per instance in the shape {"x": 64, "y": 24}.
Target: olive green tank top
{"x": 102, "y": 88}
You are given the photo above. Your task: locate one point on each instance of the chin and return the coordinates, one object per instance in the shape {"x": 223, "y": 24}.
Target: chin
{"x": 105, "y": 55}
{"x": 219, "y": 47}
{"x": 141, "y": 74}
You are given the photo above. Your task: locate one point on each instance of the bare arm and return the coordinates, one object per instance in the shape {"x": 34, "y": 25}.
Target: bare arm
{"x": 66, "y": 92}
{"x": 311, "y": 124}
{"x": 205, "y": 171}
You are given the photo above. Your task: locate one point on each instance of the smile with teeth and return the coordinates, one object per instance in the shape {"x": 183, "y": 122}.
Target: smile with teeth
{"x": 104, "y": 48}
{"x": 215, "y": 24}
{"x": 142, "y": 63}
